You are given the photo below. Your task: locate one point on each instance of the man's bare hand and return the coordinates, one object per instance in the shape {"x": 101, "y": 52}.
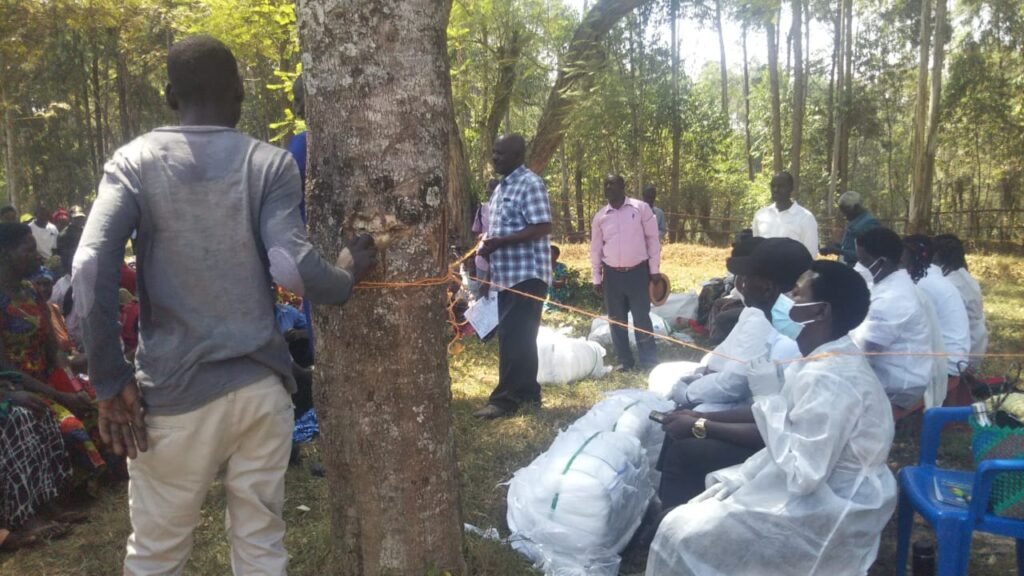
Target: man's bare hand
{"x": 26, "y": 400}
{"x": 599, "y": 290}
{"x": 121, "y": 422}
{"x": 359, "y": 257}
{"x": 488, "y": 246}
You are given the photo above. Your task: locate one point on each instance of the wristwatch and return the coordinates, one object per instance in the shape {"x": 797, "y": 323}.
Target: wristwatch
{"x": 700, "y": 428}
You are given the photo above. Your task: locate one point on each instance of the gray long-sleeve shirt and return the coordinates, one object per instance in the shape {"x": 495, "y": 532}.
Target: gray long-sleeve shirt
{"x": 216, "y": 214}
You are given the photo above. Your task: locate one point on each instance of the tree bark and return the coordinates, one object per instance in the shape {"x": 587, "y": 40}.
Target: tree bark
{"x": 723, "y": 70}
{"x": 379, "y": 110}
{"x": 677, "y": 128}
{"x": 773, "y": 78}
{"x": 122, "y": 94}
{"x": 921, "y": 206}
{"x": 844, "y": 149}
{"x": 746, "y": 107}
{"x": 563, "y": 164}
{"x": 10, "y": 139}
{"x": 918, "y": 197}
{"x": 101, "y": 149}
{"x": 581, "y": 217}
{"x": 460, "y": 191}
{"x": 839, "y": 104}
{"x": 575, "y": 77}
{"x": 798, "y": 96}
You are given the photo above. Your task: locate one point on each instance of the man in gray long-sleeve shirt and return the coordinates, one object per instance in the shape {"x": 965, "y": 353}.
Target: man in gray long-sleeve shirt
{"x": 215, "y": 213}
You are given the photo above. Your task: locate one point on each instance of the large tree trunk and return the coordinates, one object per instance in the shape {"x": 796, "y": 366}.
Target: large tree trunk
{"x": 722, "y": 69}
{"x": 10, "y": 137}
{"x": 122, "y": 94}
{"x": 581, "y": 217}
{"x": 677, "y": 127}
{"x": 379, "y": 104}
{"x": 921, "y": 195}
{"x": 563, "y": 163}
{"x": 746, "y": 107}
{"x": 798, "y": 96}
{"x": 773, "y": 79}
{"x": 575, "y": 76}
{"x": 838, "y": 104}
{"x": 101, "y": 148}
{"x": 844, "y": 149}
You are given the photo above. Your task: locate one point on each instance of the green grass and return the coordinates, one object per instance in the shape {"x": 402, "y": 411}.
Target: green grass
{"x": 489, "y": 453}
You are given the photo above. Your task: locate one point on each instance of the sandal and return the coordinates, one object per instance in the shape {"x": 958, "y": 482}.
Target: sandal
{"x": 11, "y": 541}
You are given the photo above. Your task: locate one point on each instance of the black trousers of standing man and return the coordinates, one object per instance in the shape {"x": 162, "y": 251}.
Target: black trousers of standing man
{"x": 518, "y": 324}
{"x": 626, "y": 290}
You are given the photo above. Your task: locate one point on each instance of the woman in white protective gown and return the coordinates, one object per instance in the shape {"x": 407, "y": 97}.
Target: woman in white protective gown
{"x": 815, "y": 499}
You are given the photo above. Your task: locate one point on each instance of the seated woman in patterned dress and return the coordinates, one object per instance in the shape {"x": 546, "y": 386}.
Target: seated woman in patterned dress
{"x": 34, "y": 471}
{"x": 29, "y": 349}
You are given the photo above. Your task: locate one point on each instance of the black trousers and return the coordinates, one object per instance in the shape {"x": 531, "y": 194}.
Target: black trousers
{"x": 518, "y": 323}
{"x": 626, "y": 292}
{"x": 684, "y": 465}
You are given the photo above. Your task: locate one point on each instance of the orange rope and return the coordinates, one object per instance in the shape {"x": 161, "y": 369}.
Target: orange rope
{"x": 453, "y": 277}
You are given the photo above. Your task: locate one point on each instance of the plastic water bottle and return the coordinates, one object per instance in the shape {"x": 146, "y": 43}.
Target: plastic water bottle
{"x": 923, "y": 561}
{"x": 979, "y": 413}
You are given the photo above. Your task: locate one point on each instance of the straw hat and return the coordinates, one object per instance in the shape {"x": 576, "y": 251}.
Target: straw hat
{"x": 659, "y": 288}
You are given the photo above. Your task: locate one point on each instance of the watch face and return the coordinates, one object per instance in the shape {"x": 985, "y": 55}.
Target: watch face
{"x": 699, "y": 429}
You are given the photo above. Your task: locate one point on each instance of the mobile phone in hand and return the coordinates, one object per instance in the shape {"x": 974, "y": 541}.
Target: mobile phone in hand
{"x": 658, "y": 417}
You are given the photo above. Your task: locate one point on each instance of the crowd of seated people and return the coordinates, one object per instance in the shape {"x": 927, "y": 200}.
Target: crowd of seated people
{"x": 787, "y": 453}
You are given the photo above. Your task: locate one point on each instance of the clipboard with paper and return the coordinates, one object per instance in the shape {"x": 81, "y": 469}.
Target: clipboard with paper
{"x": 482, "y": 315}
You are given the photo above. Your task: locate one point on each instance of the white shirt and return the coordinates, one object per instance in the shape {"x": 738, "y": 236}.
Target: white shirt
{"x": 897, "y": 322}
{"x": 46, "y": 238}
{"x": 796, "y": 222}
{"x": 970, "y": 293}
{"x": 814, "y": 500}
{"x": 952, "y": 315}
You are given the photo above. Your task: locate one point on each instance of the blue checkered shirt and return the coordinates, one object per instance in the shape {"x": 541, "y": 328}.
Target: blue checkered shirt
{"x": 520, "y": 201}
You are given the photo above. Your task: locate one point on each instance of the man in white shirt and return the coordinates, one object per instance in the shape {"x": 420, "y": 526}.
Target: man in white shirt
{"x": 949, "y": 256}
{"x": 784, "y": 218}
{"x": 945, "y": 298}
{"x": 44, "y": 232}
{"x": 897, "y": 321}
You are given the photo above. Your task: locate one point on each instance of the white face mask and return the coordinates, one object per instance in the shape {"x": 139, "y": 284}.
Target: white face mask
{"x": 865, "y": 273}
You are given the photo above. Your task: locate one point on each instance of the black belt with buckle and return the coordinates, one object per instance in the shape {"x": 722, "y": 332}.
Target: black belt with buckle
{"x": 627, "y": 269}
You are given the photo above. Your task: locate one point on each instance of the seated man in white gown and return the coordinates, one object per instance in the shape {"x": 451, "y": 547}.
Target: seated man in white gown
{"x": 718, "y": 382}
{"x": 706, "y": 438}
{"x": 898, "y": 324}
{"x": 816, "y": 498}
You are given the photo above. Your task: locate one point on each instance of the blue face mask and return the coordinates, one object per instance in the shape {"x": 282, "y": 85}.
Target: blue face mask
{"x": 781, "y": 320}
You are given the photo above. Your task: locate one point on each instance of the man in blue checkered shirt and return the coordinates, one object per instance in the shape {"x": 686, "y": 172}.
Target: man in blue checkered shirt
{"x": 518, "y": 248}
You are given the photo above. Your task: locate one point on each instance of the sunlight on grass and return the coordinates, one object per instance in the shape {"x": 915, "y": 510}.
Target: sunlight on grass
{"x": 490, "y": 452}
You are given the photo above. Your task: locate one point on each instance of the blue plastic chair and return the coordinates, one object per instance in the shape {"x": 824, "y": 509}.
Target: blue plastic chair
{"x": 953, "y": 525}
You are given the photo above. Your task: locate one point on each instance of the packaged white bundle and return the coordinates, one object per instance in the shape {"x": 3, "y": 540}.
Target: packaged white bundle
{"x": 664, "y": 378}
{"x": 562, "y": 360}
{"x": 576, "y": 506}
{"x": 601, "y": 331}
{"x": 629, "y": 411}
{"x": 679, "y": 305}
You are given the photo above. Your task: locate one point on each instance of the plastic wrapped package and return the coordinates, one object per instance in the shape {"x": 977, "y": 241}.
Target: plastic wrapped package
{"x": 678, "y": 305}
{"x": 562, "y": 360}
{"x": 601, "y": 330}
{"x": 664, "y": 377}
{"x": 576, "y": 506}
{"x": 629, "y": 411}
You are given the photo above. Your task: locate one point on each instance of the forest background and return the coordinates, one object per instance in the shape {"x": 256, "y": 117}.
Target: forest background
{"x": 915, "y": 104}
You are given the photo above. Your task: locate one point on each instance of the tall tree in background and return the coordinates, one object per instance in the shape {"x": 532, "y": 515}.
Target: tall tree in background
{"x": 746, "y": 107}
{"x": 677, "y": 125}
{"x": 770, "y": 23}
{"x": 575, "y": 76}
{"x": 723, "y": 70}
{"x": 840, "y": 103}
{"x": 379, "y": 115}
{"x": 798, "y": 96}
{"x": 926, "y": 127}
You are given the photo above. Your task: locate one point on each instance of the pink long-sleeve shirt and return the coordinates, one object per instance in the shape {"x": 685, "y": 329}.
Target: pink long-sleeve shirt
{"x": 624, "y": 237}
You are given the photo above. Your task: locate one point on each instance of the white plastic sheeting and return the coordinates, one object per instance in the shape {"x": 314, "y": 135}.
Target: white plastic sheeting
{"x": 562, "y": 360}
{"x": 576, "y": 506}
{"x": 601, "y": 331}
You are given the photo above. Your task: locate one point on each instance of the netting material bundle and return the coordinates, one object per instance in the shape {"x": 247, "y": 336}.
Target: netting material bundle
{"x": 576, "y": 506}
{"x": 563, "y": 360}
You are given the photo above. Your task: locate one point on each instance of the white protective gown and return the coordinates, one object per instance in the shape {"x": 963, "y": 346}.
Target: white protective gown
{"x": 814, "y": 500}
{"x": 952, "y": 316}
{"x": 898, "y": 322}
{"x": 970, "y": 292}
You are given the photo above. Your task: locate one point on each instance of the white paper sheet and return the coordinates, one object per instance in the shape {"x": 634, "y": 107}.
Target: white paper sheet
{"x": 483, "y": 315}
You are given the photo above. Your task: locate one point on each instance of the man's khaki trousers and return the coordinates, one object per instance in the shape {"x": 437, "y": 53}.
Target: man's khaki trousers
{"x": 245, "y": 434}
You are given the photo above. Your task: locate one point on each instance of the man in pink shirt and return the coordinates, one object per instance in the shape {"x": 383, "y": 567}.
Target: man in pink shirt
{"x": 625, "y": 252}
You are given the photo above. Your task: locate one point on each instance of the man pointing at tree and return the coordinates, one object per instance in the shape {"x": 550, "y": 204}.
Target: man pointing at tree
{"x": 215, "y": 213}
